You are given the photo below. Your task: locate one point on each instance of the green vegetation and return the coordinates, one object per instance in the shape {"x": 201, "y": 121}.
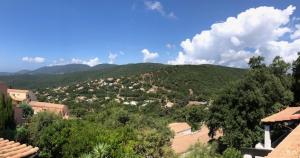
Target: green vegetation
{"x": 27, "y": 110}
{"x": 120, "y": 130}
{"x": 123, "y": 111}
{"x": 240, "y": 107}
{"x": 210, "y": 151}
{"x": 29, "y": 81}
{"x": 7, "y": 124}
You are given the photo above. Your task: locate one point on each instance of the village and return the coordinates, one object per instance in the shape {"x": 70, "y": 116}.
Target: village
{"x": 184, "y": 137}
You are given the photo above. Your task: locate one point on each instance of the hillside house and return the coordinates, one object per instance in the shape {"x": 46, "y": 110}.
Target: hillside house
{"x": 184, "y": 137}
{"x": 18, "y": 96}
{"x": 59, "y": 109}
{"x": 25, "y": 96}
{"x": 11, "y": 149}
{"x": 285, "y": 146}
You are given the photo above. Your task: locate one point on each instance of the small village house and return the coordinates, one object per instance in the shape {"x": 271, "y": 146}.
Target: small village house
{"x": 184, "y": 137}
{"x": 26, "y": 96}
{"x": 285, "y": 146}
{"x": 59, "y": 109}
{"x": 18, "y": 96}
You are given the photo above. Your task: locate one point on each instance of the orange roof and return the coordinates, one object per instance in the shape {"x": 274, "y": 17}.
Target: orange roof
{"x": 46, "y": 105}
{"x": 181, "y": 144}
{"x": 179, "y": 126}
{"x": 289, "y": 147}
{"x": 11, "y": 149}
{"x": 17, "y": 90}
{"x": 290, "y": 113}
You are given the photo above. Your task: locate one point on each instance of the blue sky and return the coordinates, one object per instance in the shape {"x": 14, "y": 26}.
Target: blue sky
{"x": 35, "y": 33}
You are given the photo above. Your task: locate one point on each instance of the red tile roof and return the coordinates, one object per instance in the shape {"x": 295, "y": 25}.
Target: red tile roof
{"x": 46, "y": 105}
{"x": 289, "y": 147}
{"x": 17, "y": 90}
{"x": 179, "y": 126}
{"x": 181, "y": 143}
{"x": 287, "y": 114}
{"x": 11, "y": 149}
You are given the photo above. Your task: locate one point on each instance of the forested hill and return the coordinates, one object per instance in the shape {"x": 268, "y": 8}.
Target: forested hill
{"x": 204, "y": 78}
{"x": 42, "y": 80}
{"x": 201, "y": 79}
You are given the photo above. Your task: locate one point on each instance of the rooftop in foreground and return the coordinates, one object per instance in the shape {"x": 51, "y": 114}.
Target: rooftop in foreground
{"x": 289, "y": 147}
{"x": 11, "y": 149}
{"x": 288, "y": 114}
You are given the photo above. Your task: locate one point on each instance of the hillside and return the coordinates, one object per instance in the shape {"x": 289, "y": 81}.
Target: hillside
{"x": 165, "y": 87}
{"x": 32, "y": 81}
{"x": 60, "y": 69}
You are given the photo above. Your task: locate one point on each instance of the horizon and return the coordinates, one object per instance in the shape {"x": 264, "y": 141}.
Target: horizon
{"x": 35, "y": 34}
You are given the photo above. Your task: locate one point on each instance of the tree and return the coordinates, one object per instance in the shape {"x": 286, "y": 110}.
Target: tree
{"x": 22, "y": 134}
{"x": 7, "y": 123}
{"x": 256, "y": 62}
{"x": 39, "y": 122}
{"x": 296, "y": 76}
{"x": 27, "y": 110}
{"x": 240, "y": 107}
{"x": 203, "y": 151}
{"x": 195, "y": 116}
{"x": 279, "y": 67}
{"x": 231, "y": 153}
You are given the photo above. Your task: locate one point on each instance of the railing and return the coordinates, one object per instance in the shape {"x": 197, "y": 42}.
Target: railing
{"x": 255, "y": 152}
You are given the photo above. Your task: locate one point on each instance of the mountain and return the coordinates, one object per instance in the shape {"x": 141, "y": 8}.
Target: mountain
{"x": 5, "y": 73}
{"x": 176, "y": 84}
{"x": 39, "y": 80}
{"x": 60, "y": 69}
{"x": 103, "y": 66}
{"x": 201, "y": 79}
{"x": 22, "y": 72}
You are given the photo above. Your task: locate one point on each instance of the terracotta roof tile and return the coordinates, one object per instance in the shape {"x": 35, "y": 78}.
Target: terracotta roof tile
{"x": 289, "y": 147}
{"x": 11, "y": 149}
{"x": 46, "y": 105}
{"x": 179, "y": 126}
{"x": 181, "y": 143}
{"x": 287, "y": 114}
{"x": 17, "y": 90}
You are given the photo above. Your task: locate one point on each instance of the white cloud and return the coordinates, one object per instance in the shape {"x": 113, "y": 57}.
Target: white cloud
{"x": 256, "y": 31}
{"x": 90, "y": 62}
{"x": 158, "y": 7}
{"x": 149, "y": 56}
{"x": 170, "y": 46}
{"x": 33, "y": 59}
{"x": 296, "y": 33}
{"x": 112, "y": 57}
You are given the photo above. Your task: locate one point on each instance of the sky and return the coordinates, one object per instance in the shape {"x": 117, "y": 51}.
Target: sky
{"x": 35, "y": 33}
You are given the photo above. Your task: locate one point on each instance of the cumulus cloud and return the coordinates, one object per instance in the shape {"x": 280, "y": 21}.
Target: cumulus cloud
{"x": 90, "y": 62}
{"x": 158, "y": 7}
{"x": 256, "y": 31}
{"x": 33, "y": 59}
{"x": 149, "y": 56}
{"x": 112, "y": 57}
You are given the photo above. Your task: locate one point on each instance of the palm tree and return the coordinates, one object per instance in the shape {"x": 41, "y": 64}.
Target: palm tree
{"x": 101, "y": 150}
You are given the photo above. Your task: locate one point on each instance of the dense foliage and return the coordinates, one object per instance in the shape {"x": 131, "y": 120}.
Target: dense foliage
{"x": 123, "y": 111}
{"x": 120, "y": 130}
{"x": 210, "y": 151}
{"x": 241, "y": 106}
{"x": 296, "y": 76}
{"x": 7, "y": 124}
